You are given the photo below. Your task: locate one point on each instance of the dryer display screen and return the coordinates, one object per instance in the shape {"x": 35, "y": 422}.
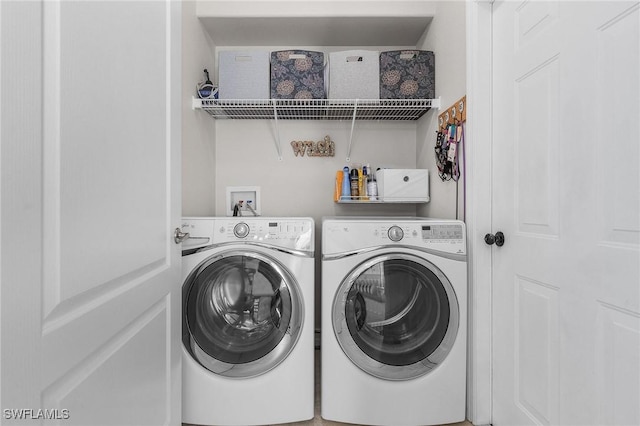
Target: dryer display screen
{"x": 442, "y": 232}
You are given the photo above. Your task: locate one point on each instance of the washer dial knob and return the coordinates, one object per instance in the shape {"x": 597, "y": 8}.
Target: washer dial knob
{"x": 241, "y": 230}
{"x": 395, "y": 233}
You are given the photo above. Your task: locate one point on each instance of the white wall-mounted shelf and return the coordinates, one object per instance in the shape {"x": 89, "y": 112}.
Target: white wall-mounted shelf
{"x": 361, "y": 200}
{"x": 316, "y": 109}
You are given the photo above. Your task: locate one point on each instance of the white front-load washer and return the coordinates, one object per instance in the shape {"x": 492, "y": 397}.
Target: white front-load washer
{"x": 394, "y": 321}
{"x": 247, "y": 327}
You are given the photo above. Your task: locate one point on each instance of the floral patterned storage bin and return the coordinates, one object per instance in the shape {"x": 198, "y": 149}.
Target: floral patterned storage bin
{"x": 407, "y": 74}
{"x": 297, "y": 74}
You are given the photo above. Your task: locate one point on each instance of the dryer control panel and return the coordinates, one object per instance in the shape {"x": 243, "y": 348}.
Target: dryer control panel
{"x": 347, "y": 235}
{"x": 443, "y": 232}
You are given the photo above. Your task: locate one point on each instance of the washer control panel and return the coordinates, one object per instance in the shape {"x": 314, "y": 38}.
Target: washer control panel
{"x": 295, "y": 233}
{"x": 292, "y": 233}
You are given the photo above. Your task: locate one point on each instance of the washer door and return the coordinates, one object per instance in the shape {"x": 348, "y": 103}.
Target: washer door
{"x": 242, "y": 313}
{"x": 396, "y": 316}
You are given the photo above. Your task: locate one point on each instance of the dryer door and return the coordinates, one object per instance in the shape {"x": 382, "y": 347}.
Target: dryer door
{"x": 242, "y": 313}
{"x": 396, "y": 316}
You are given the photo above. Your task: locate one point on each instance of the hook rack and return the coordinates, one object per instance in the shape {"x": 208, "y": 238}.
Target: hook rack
{"x": 456, "y": 113}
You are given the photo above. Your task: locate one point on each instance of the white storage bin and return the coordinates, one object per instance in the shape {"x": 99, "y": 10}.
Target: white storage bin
{"x": 354, "y": 74}
{"x": 243, "y": 75}
{"x": 403, "y": 185}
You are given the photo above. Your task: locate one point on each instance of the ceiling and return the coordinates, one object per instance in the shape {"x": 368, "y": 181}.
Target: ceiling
{"x": 316, "y": 22}
{"x": 316, "y": 31}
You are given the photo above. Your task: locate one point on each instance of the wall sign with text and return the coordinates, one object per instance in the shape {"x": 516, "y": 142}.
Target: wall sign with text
{"x": 323, "y": 148}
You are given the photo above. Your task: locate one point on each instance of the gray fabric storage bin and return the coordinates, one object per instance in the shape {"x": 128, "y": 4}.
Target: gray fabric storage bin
{"x": 297, "y": 74}
{"x": 407, "y": 74}
{"x": 243, "y": 75}
{"x": 354, "y": 74}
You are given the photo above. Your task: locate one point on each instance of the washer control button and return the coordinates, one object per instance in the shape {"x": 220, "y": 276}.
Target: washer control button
{"x": 241, "y": 230}
{"x": 395, "y": 233}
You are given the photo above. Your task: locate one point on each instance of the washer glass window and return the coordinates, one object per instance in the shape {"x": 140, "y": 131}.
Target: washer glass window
{"x": 396, "y": 316}
{"x": 242, "y": 314}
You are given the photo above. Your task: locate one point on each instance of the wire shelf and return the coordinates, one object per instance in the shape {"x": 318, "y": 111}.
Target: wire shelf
{"x": 378, "y": 200}
{"x": 317, "y": 109}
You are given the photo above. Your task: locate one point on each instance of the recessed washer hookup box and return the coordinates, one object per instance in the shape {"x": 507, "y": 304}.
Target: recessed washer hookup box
{"x": 403, "y": 185}
{"x": 243, "y": 74}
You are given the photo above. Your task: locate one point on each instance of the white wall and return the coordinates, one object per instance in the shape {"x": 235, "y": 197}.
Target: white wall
{"x": 303, "y": 186}
{"x": 446, "y": 36}
{"x": 198, "y": 129}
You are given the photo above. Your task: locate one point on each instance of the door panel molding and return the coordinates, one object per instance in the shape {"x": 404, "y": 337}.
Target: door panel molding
{"x": 74, "y": 308}
{"x": 66, "y": 392}
{"x": 537, "y": 157}
{"x": 617, "y": 349}
{"x": 536, "y": 352}
{"x": 533, "y": 18}
{"x": 72, "y": 280}
{"x": 57, "y": 344}
{"x": 51, "y": 167}
{"x": 618, "y": 186}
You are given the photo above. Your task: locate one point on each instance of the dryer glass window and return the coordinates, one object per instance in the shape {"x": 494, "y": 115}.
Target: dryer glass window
{"x": 400, "y": 312}
{"x": 238, "y": 310}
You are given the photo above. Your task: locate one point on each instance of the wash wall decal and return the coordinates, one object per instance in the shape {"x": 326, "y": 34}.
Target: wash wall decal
{"x": 323, "y": 148}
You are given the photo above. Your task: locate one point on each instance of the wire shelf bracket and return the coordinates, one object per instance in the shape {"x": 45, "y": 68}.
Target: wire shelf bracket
{"x": 277, "y": 141}
{"x": 316, "y": 109}
{"x": 353, "y": 123}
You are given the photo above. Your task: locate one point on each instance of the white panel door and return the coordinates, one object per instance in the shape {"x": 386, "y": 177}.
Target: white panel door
{"x": 90, "y": 134}
{"x": 566, "y": 185}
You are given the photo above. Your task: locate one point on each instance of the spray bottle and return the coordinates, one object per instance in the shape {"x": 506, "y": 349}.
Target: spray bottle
{"x": 337, "y": 192}
{"x": 372, "y": 186}
{"x": 346, "y": 188}
{"x": 364, "y": 193}
{"x": 354, "y": 184}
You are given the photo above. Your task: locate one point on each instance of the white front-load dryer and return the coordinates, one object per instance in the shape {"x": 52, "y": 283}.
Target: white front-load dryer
{"x": 394, "y": 322}
{"x": 247, "y": 328}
